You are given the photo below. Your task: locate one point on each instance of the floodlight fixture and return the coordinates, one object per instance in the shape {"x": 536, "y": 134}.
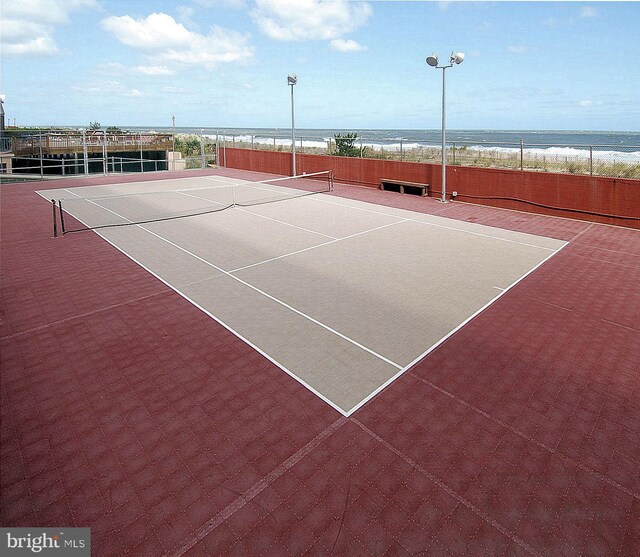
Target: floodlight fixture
{"x": 292, "y": 79}
{"x": 455, "y": 58}
{"x": 432, "y": 60}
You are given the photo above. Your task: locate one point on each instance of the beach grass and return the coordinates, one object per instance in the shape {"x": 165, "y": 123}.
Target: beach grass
{"x": 456, "y": 156}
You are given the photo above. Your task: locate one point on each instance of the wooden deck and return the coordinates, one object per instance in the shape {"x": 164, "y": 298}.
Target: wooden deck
{"x": 62, "y": 144}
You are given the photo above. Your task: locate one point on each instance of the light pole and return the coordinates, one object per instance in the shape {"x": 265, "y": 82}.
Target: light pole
{"x": 456, "y": 58}
{"x": 292, "y": 80}
{"x": 173, "y": 135}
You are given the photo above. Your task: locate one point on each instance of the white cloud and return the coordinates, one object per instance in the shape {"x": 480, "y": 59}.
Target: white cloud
{"x": 588, "y": 12}
{"x": 54, "y": 12}
{"x": 158, "y": 30}
{"x": 346, "y": 45}
{"x": 166, "y": 40}
{"x": 28, "y": 26}
{"x": 106, "y": 87}
{"x": 43, "y": 45}
{"x": 116, "y": 69}
{"x": 153, "y": 70}
{"x": 297, "y": 20}
{"x": 222, "y": 3}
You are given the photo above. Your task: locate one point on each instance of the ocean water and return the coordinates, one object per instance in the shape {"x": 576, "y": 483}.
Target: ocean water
{"x": 621, "y": 146}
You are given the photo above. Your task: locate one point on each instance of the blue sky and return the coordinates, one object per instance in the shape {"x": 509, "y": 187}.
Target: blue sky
{"x": 224, "y": 63}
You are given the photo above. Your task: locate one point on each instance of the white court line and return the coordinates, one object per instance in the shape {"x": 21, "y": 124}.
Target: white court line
{"x": 317, "y": 393}
{"x": 214, "y": 317}
{"x": 317, "y": 246}
{"x": 221, "y": 322}
{"x": 142, "y": 193}
{"x": 218, "y": 178}
{"x": 278, "y": 301}
{"x": 332, "y": 241}
{"x": 243, "y": 183}
{"x": 136, "y": 194}
{"x": 255, "y": 288}
{"x": 323, "y": 200}
{"x": 244, "y": 210}
{"x": 450, "y": 333}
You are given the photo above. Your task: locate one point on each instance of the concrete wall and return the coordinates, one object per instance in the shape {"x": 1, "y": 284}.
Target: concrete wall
{"x": 593, "y": 198}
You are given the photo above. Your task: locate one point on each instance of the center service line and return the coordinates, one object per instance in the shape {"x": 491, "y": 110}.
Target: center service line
{"x": 255, "y": 288}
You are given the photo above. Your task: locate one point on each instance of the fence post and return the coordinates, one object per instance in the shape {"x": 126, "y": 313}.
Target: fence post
{"x": 41, "y": 161}
{"x": 522, "y": 154}
{"x": 105, "y": 163}
{"x": 252, "y": 142}
{"x": 401, "y": 151}
{"x": 202, "y": 163}
{"x": 361, "y": 151}
{"x": 85, "y": 153}
{"x": 454, "y": 153}
{"x": 141, "y": 159}
{"x": 590, "y": 160}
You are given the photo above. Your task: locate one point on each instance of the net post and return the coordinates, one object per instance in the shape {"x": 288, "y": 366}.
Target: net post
{"x": 55, "y": 220}
{"x": 331, "y": 180}
{"x": 61, "y": 217}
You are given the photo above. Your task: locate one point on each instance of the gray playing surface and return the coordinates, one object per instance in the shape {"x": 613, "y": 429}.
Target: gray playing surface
{"x": 342, "y": 295}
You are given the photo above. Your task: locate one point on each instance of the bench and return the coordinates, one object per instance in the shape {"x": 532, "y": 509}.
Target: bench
{"x": 403, "y": 186}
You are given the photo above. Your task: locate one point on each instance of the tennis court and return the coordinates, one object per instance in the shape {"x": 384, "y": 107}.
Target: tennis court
{"x": 341, "y": 294}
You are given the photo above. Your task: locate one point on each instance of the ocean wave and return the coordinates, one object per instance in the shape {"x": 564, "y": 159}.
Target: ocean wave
{"x": 563, "y": 153}
{"x": 548, "y": 153}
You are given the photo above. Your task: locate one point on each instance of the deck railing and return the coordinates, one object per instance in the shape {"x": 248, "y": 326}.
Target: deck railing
{"x": 63, "y": 143}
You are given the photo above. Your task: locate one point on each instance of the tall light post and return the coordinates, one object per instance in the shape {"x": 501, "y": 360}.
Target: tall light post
{"x": 292, "y": 80}
{"x": 456, "y": 58}
{"x": 173, "y": 135}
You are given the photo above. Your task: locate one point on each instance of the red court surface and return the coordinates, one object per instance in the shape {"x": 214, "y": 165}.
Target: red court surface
{"x": 126, "y": 409}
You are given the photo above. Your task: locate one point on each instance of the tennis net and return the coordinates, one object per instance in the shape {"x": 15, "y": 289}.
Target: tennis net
{"x": 109, "y": 211}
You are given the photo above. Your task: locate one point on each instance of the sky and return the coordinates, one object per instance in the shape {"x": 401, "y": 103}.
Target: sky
{"x": 360, "y": 65}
